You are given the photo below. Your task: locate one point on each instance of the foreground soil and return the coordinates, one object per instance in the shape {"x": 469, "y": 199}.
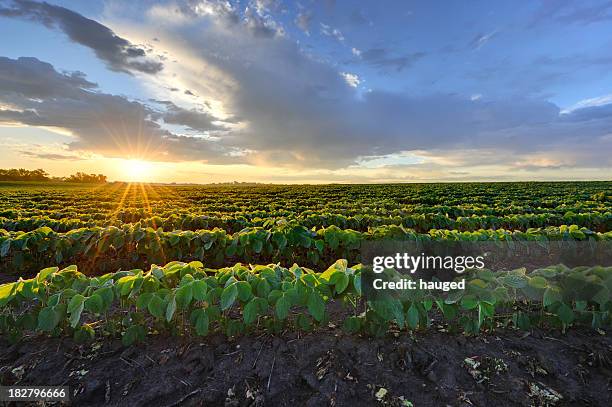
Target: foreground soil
{"x": 507, "y": 368}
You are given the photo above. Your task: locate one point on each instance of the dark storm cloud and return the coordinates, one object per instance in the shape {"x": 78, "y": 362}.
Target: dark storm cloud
{"x": 118, "y": 53}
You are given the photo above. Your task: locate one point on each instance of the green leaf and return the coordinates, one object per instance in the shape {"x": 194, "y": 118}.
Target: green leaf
{"x": 54, "y": 299}
{"x": 75, "y": 308}
{"x": 94, "y": 304}
{"x": 133, "y": 334}
{"x": 45, "y": 273}
{"x": 47, "y": 319}
{"x": 357, "y": 284}
{"x": 565, "y": 314}
{"x": 76, "y": 303}
{"x": 84, "y": 333}
{"x": 201, "y": 322}
{"x": 304, "y": 322}
{"x": 603, "y": 296}
{"x": 7, "y": 293}
{"x": 413, "y": 316}
{"x": 538, "y": 282}
{"x": 551, "y": 296}
{"x": 26, "y": 321}
{"x": 107, "y": 295}
{"x": 124, "y": 285}
{"x": 484, "y": 310}
{"x": 27, "y": 289}
{"x": 342, "y": 282}
{"x": 282, "y": 307}
{"x": 156, "y": 306}
{"x": 338, "y": 267}
{"x": 200, "y": 288}
{"x": 469, "y": 302}
{"x": 4, "y": 248}
{"x": 316, "y": 305}
{"x": 143, "y": 300}
{"x": 157, "y": 272}
{"x": 515, "y": 281}
{"x": 250, "y": 312}
{"x": 263, "y": 288}
{"x": 351, "y": 325}
{"x": 521, "y": 320}
{"x": 228, "y": 296}
{"x": 449, "y": 310}
{"x": 244, "y": 291}
{"x": 274, "y": 296}
{"x": 280, "y": 240}
{"x": 171, "y": 308}
{"x": 184, "y": 295}
{"x": 454, "y": 296}
{"x": 257, "y": 246}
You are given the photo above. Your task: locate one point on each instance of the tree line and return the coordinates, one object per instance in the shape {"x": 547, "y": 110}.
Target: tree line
{"x": 21, "y": 174}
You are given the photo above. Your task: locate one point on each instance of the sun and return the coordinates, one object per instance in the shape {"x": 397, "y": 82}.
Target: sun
{"x": 137, "y": 170}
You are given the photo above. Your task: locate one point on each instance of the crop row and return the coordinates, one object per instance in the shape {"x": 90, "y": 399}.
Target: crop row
{"x": 142, "y": 210}
{"x": 186, "y": 299}
{"x": 418, "y": 222}
{"x": 99, "y": 249}
{"x": 132, "y": 201}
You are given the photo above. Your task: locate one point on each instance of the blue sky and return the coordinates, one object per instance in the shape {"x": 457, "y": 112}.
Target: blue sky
{"x": 309, "y": 91}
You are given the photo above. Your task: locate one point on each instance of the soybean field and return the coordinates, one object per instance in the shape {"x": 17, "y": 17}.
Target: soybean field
{"x": 247, "y": 275}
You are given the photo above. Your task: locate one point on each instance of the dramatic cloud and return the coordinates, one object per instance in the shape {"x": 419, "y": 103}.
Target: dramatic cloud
{"x": 33, "y": 93}
{"x": 194, "y": 119}
{"x": 298, "y": 111}
{"x": 250, "y": 94}
{"x": 117, "y": 52}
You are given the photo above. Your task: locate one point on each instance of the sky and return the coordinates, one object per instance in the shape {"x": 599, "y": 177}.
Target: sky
{"x": 308, "y": 91}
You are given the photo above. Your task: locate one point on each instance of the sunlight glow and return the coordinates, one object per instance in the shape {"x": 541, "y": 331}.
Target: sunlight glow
{"x": 137, "y": 171}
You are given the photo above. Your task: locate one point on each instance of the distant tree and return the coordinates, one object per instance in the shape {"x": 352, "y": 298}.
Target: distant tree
{"x": 21, "y": 174}
{"x": 89, "y": 178}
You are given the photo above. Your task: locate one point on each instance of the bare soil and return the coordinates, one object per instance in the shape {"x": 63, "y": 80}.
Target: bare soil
{"x": 328, "y": 367}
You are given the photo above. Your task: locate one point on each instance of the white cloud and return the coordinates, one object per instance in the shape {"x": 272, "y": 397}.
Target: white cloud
{"x": 351, "y": 79}
{"x": 481, "y": 39}
{"x": 332, "y": 32}
{"x": 303, "y": 21}
{"x": 592, "y": 102}
{"x": 284, "y": 107}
